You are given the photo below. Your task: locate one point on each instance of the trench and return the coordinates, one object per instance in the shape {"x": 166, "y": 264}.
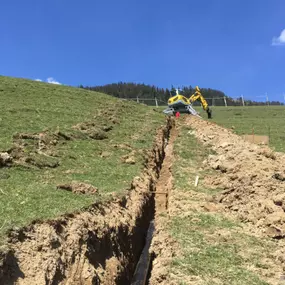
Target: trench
{"x": 161, "y": 200}
{"x": 106, "y": 244}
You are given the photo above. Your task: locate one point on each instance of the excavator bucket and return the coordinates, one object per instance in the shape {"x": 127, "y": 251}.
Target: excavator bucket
{"x": 192, "y": 111}
{"x": 169, "y": 111}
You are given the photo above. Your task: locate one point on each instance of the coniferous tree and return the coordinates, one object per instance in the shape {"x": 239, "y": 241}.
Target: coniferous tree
{"x": 147, "y": 93}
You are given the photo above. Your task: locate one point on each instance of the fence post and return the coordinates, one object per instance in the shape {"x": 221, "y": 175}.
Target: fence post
{"x": 156, "y": 102}
{"x": 225, "y": 100}
{"x": 138, "y": 99}
{"x": 242, "y": 100}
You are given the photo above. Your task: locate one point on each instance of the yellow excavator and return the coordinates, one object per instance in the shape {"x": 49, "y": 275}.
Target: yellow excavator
{"x": 181, "y": 104}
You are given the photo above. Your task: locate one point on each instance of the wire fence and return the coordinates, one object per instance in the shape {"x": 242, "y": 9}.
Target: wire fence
{"x": 215, "y": 101}
{"x": 222, "y": 101}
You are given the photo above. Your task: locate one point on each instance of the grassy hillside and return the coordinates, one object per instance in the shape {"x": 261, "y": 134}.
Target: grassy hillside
{"x": 56, "y": 135}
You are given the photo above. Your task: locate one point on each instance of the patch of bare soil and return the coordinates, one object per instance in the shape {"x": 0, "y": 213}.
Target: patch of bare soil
{"x": 251, "y": 176}
{"x": 78, "y": 188}
{"x": 164, "y": 184}
{"x": 129, "y": 158}
{"x": 93, "y": 131}
{"x": 99, "y": 246}
{"x": 252, "y": 179}
{"x": 35, "y": 150}
{"x": 163, "y": 247}
{"x": 39, "y": 149}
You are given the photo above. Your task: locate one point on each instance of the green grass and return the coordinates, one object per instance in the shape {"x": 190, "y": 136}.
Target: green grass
{"x": 29, "y": 193}
{"x": 190, "y": 154}
{"x": 214, "y": 261}
{"x": 263, "y": 120}
{"x": 213, "y": 249}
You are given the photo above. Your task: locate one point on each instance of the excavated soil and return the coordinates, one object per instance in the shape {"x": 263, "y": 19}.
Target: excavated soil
{"x": 252, "y": 179}
{"x": 164, "y": 184}
{"x": 98, "y": 246}
{"x": 251, "y": 175}
{"x": 163, "y": 247}
{"x": 78, "y": 188}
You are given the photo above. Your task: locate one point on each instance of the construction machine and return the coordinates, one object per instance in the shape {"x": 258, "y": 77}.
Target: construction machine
{"x": 179, "y": 103}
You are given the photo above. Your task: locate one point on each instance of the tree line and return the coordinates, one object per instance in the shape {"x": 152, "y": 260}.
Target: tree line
{"x": 147, "y": 93}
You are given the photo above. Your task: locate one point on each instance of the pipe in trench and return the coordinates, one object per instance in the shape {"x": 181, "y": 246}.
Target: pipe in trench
{"x": 142, "y": 269}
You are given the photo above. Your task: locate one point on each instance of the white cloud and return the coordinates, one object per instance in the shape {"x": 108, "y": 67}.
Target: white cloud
{"x": 52, "y": 81}
{"x": 280, "y": 40}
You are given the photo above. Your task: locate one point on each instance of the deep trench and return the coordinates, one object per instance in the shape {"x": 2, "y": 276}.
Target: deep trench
{"x": 159, "y": 203}
{"x": 161, "y": 199}
{"x": 114, "y": 243}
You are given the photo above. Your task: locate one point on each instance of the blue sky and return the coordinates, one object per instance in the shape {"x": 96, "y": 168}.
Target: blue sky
{"x": 232, "y": 45}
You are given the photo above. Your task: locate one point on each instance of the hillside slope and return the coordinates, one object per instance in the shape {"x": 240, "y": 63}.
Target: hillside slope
{"x": 56, "y": 138}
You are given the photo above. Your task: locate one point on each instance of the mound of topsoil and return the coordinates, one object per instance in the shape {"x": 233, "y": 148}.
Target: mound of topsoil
{"x": 252, "y": 176}
{"x": 79, "y": 188}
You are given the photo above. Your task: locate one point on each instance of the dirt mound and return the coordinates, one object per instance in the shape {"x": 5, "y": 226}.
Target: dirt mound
{"x": 36, "y": 149}
{"x": 79, "y": 188}
{"x": 251, "y": 176}
{"x": 105, "y": 119}
{"x": 93, "y": 130}
{"x": 40, "y": 149}
{"x": 129, "y": 158}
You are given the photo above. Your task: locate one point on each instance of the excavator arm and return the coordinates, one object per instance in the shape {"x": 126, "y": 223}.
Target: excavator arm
{"x": 198, "y": 96}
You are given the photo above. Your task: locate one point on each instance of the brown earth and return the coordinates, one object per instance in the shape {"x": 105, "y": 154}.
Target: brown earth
{"x": 98, "y": 246}
{"x": 93, "y": 131}
{"x": 78, "y": 188}
{"x": 35, "y": 150}
{"x": 164, "y": 184}
{"x": 251, "y": 176}
{"x": 163, "y": 247}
